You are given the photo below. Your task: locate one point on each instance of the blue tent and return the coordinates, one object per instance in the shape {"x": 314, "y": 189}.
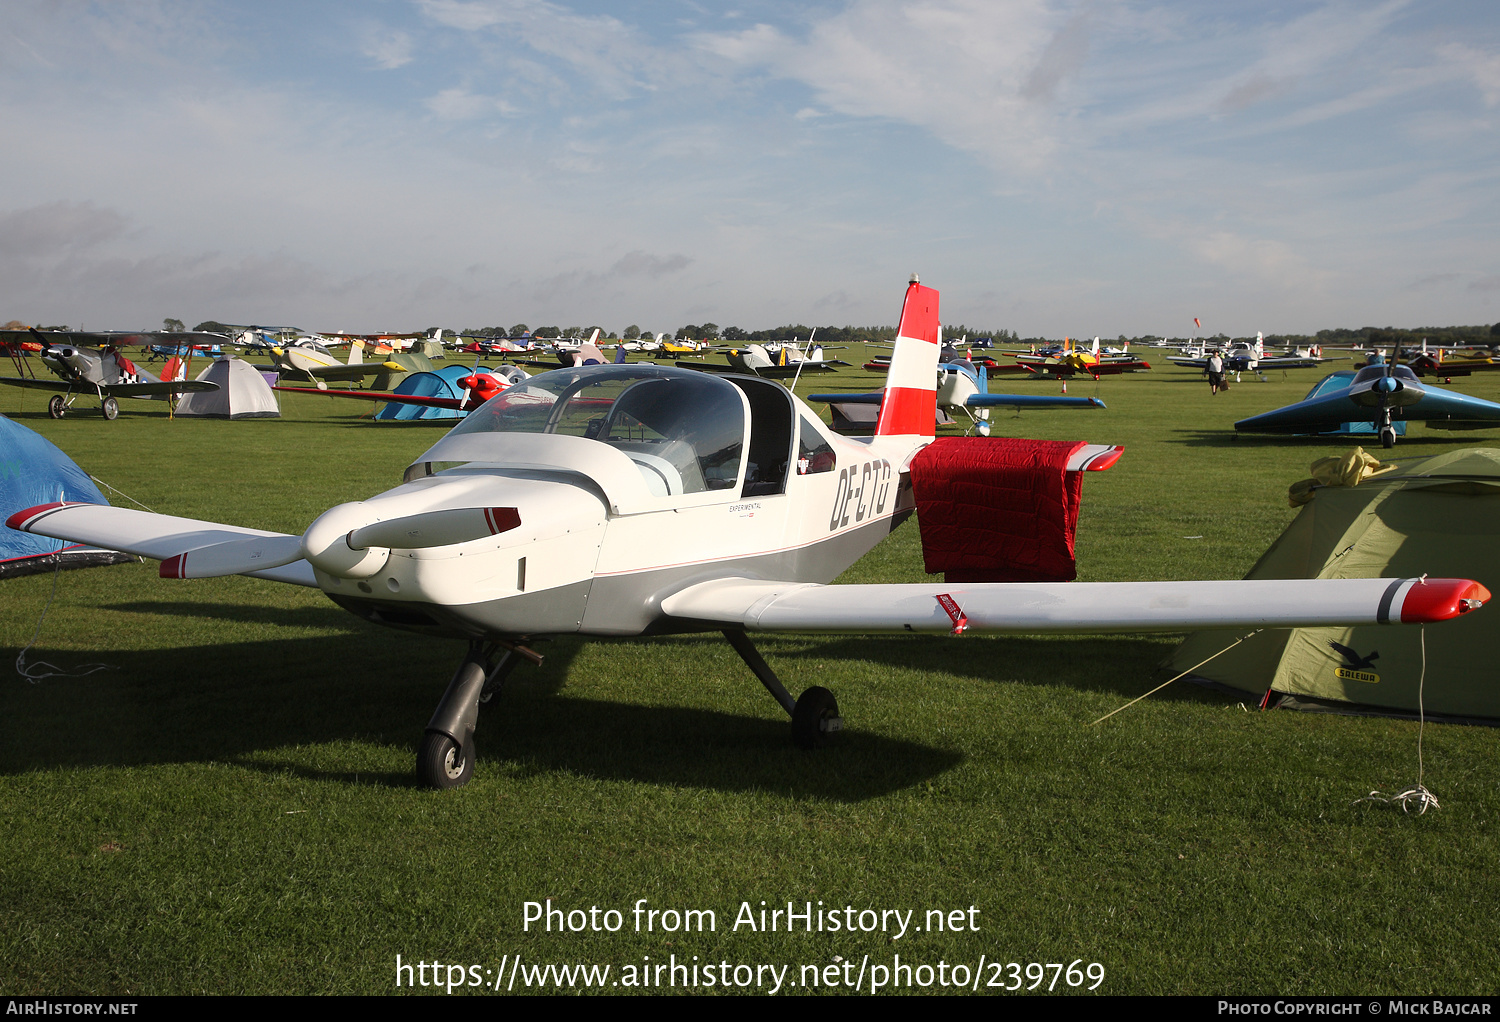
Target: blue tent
{"x": 440, "y": 383}
{"x": 32, "y": 472}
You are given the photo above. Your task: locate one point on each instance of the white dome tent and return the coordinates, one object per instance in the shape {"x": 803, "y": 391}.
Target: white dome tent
{"x": 243, "y": 394}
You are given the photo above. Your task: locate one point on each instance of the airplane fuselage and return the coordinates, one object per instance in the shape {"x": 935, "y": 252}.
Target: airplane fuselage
{"x": 606, "y": 530}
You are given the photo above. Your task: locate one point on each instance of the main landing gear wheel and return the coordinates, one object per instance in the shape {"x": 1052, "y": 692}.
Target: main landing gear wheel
{"x": 815, "y": 718}
{"x": 57, "y": 406}
{"x": 111, "y": 409}
{"x": 442, "y": 763}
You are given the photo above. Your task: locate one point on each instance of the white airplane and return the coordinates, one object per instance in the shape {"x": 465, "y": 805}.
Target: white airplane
{"x": 543, "y": 512}
{"x": 1244, "y": 357}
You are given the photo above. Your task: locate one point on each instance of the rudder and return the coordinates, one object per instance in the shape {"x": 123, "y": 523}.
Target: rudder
{"x": 910, "y": 405}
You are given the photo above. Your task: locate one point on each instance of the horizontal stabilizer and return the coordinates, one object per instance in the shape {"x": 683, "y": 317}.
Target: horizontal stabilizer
{"x": 1031, "y": 607}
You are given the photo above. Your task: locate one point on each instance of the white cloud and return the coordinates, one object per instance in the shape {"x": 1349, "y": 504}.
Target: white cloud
{"x": 976, "y": 74}
{"x": 540, "y": 161}
{"x": 389, "y": 48}
{"x": 599, "y": 49}
{"x": 1483, "y": 69}
{"x": 458, "y": 104}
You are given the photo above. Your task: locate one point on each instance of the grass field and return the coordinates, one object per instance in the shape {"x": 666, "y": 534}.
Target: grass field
{"x": 230, "y": 808}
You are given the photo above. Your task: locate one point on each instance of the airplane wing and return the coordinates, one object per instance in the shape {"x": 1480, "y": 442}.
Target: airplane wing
{"x": 358, "y": 371}
{"x": 1091, "y": 607}
{"x": 115, "y": 338}
{"x": 1445, "y": 409}
{"x": 1428, "y": 366}
{"x": 112, "y": 389}
{"x": 792, "y": 369}
{"x": 1327, "y": 412}
{"x": 1031, "y": 401}
{"x": 159, "y": 537}
{"x": 38, "y": 383}
{"x": 1442, "y": 409}
{"x": 376, "y": 395}
{"x": 873, "y": 397}
{"x": 1293, "y": 362}
{"x": 160, "y": 387}
{"x": 1190, "y": 363}
{"x": 975, "y": 400}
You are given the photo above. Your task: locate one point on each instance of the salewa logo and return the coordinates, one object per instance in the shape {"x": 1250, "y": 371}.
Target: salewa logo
{"x": 1355, "y": 667}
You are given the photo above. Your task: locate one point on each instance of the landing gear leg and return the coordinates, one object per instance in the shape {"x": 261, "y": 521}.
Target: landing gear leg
{"x": 1387, "y": 431}
{"x": 815, "y": 715}
{"x": 446, "y": 756}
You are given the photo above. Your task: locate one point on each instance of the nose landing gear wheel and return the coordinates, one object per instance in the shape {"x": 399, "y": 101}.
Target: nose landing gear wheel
{"x": 815, "y": 719}
{"x": 57, "y": 406}
{"x": 443, "y": 763}
{"x": 1387, "y": 437}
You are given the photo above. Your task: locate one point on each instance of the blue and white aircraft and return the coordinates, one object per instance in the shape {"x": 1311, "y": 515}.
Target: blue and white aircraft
{"x": 1383, "y": 394}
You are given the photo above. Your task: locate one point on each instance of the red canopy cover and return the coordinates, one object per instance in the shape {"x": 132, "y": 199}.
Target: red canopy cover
{"x": 997, "y": 509}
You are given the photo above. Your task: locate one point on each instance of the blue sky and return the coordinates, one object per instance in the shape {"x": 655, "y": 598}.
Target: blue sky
{"x": 1052, "y": 167}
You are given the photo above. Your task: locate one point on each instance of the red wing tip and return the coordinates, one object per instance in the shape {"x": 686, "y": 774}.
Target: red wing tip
{"x": 1103, "y": 461}
{"x": 18, "y": 520}
{"x": 173, "y": 567}
{"x": 1439, "y": 599}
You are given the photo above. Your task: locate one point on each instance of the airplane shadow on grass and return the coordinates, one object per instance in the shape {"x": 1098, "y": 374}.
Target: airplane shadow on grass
{"x": 329, "y": 617}
{"x": 254, "y": 703}
{"x": 1120, "y": 665}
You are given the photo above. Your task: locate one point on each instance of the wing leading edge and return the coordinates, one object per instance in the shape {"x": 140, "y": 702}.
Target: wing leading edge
{"x": 159, "y": 537}
{"x": 1074, "y": 606}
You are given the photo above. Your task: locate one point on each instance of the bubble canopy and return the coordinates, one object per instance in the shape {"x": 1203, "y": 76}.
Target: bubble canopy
{"x": 685, "y": 430}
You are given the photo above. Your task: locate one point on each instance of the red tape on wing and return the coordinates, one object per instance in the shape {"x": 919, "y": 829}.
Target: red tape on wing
{"x": 955, "y": 613}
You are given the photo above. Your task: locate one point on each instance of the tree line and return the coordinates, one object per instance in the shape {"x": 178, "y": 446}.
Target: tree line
{"x": 1368, "y": 336}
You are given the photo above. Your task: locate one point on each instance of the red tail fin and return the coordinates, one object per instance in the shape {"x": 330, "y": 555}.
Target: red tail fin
{"x": 910, "y": 405}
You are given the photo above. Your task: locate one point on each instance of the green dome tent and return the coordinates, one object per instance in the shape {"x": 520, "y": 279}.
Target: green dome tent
{"x": 1437, "y": 517}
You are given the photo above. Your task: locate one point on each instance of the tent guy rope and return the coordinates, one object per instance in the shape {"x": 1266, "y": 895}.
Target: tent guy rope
{"x": 1169, "y": 681}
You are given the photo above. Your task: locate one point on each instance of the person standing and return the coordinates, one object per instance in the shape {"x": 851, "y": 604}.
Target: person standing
{"x": 1215, "y": 373}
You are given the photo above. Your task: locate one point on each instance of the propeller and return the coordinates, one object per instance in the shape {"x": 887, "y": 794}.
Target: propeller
{"x": 468, "y": 381}
{"x": 331, "y": 545}
{"x": 234, "y": 557}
